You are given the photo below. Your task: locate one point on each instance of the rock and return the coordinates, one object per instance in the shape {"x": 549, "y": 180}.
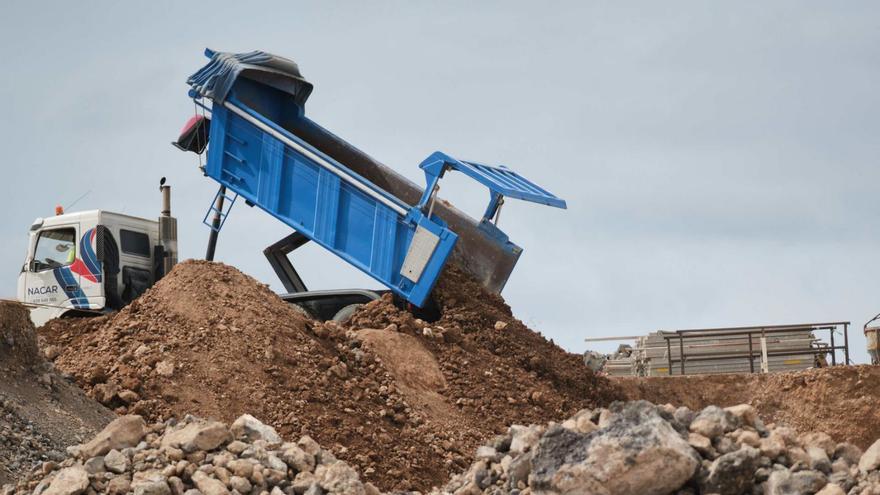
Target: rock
{"x": 253, "y": 429}
{"x": 848, "y": 452}
{"x": 870, "y": 459}
{"x": 339, "y": 478}
{"x": 683, "y": 416}
{"x": 105, "y": 392}
{"x": 94, "y": 465}
{"x": 240, "y": 483}
{"x": 150, "y": 483}
{"x": 713, "y": 422}
{"x": 831, "y": 489}
{"x": 297, "y": 458}
{"x": 749, "y": 438}
{"x": 51, "y": 352}
{"x": 773, "y": 446}
{"x": 122, "y": 432}
{"x": 116, "y": 462}
{"x": 241, "y": 467}
{"x": 198, "y": 435}
{"x": 788, "y": 483}
{"x": 500, "y": 325}
{"x": 309, "y": 445}
{"x": 176, "y": 485}
{"x": 128, "y": 396}
{"x": 732, "y": 473}
{"x": 486, "y": 453}
{"x": 819, "y": 460}
{"x": 638, "y": 452}
{"x": 818, "y": 439}
{"x": 702, "y": 444}
{"x": 303, "y": 481}
{"x": 519, "y": 470}
{"x": 165, "y": 368}
{"x": 523, "y": 438}
{"x": 69, "y": 481}
{"x": 119, "y": 485}
{"x": 745, "y": 413}
{"x": 208, "y": 485}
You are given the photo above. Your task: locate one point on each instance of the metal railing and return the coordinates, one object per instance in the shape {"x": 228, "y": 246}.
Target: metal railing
{"x": 754, "y": 336}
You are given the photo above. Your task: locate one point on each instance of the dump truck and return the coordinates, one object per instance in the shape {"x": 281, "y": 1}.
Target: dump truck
{"x": 262, "y": 149}
{"x": 86, "y": 262}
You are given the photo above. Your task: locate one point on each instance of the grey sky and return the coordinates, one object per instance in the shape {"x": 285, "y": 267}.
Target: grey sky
{"x": 719, "y": 160}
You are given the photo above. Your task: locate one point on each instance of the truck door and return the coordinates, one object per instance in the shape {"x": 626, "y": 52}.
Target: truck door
{"x": 50, "y": 280}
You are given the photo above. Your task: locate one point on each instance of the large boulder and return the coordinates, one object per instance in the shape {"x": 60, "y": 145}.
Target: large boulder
{"x": 636, "y": 452}
{"x": 121, "y": 433}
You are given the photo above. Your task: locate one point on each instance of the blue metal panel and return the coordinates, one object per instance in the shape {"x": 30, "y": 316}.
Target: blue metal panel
{"x": 364, "y": 227}
{"x": 500, "y": 179}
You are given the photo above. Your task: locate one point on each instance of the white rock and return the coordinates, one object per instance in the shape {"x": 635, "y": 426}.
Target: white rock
{"x": 116, "y": 462}
{"x": 208, "y": 485}
{"x": 69, "y": 481}
{"x": 122, "y": 432}
{"x": 198, "y": 435}
{"x": 870, "y": 459}
{"x": 252, "y": 428}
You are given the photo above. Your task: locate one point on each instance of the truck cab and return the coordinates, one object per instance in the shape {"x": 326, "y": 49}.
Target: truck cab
{"x": 87, "y": 262}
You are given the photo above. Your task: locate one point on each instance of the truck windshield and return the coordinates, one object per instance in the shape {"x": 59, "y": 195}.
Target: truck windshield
{"x": 55, "y": 248}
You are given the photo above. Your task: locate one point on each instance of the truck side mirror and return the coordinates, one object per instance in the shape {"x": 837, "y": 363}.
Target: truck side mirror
{"x": 32, "y": 266}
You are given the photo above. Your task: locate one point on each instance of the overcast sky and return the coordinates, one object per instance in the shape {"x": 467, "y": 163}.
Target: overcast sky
{"x": 719, "y": 160}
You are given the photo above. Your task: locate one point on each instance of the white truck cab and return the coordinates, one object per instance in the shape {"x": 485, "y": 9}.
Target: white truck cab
{"x": 92, "y": 261}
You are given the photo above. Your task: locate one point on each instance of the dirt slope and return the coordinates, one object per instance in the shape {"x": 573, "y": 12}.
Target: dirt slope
{"x": 841, "y": 401}
{"x": 397, "y": 397}
{"x": 41, "y": 413}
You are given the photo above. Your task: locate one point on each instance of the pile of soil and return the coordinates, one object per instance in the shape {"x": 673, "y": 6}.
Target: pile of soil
{"x": 41, "y": 413}
{"x": 842, "y": 401}
{"x": 403, "y": 400}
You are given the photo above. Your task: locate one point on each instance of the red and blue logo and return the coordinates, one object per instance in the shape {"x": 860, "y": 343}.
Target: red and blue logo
{"x": 86, "y": 266}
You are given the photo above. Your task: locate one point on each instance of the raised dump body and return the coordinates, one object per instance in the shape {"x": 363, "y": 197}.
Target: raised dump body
{"x": 263, "y": 148}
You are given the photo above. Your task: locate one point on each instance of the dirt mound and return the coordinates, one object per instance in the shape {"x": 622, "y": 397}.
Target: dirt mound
{"x": 41, "y": 413}
{"x": 18, "y": 341}
{"x": 842, "y": 401}
{"x": 211, "y": 341}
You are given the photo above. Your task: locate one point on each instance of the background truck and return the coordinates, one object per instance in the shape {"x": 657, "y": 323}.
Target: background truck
{"x": 262, "y": 148}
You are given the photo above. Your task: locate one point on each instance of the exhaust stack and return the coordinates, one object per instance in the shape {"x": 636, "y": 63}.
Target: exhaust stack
{"x": 167, "y": 233}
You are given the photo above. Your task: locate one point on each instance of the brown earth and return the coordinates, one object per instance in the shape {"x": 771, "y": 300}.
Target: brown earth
{"x": 405, "y": 401}
{"x": 842, "y": 401}
{"x": 41, "y": 413}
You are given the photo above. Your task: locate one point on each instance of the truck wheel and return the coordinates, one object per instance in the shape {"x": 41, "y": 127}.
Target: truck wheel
{"x": 345, "y": 313}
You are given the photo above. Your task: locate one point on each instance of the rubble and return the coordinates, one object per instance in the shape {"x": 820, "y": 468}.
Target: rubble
{"x": 639, "y": 448}
{"x": 253, "y": 460}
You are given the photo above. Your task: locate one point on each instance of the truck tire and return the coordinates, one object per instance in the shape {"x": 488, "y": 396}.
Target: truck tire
{"x": 345, "y": 313}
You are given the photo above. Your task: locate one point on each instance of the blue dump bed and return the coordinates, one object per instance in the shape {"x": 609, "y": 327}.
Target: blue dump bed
{"x": 257, "y": 101}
